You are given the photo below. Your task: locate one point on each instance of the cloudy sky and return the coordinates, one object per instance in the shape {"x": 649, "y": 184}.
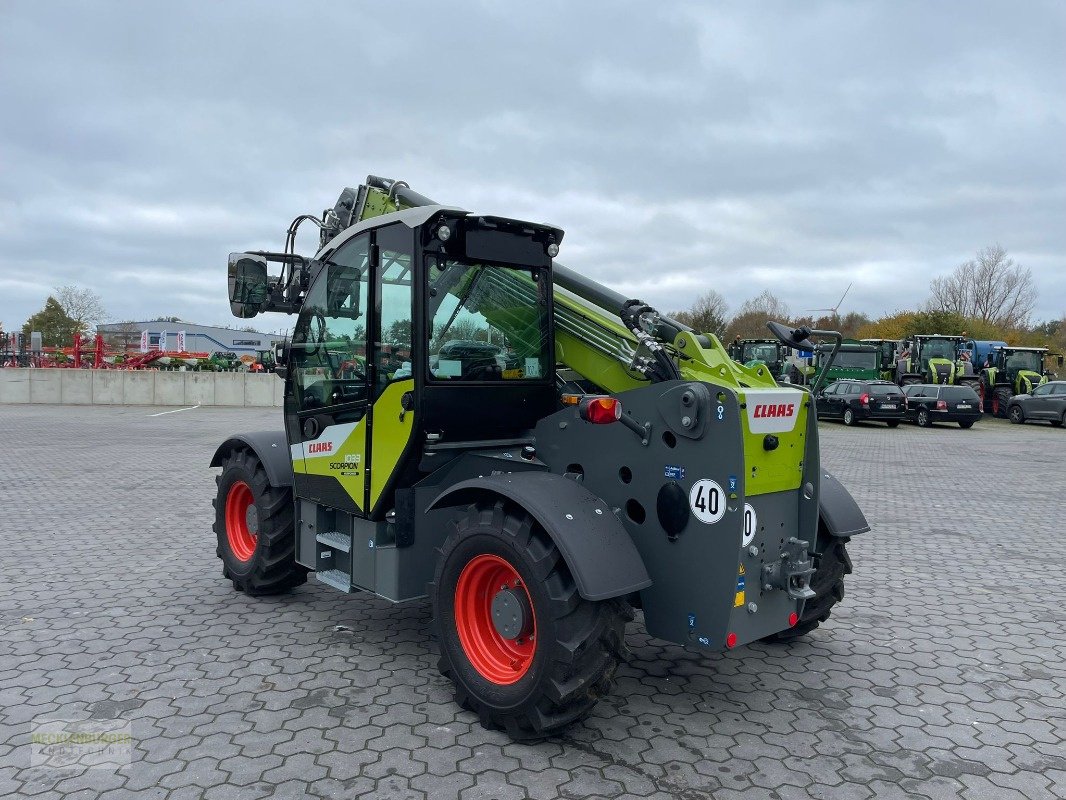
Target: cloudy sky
{"x": 790, "y": 146}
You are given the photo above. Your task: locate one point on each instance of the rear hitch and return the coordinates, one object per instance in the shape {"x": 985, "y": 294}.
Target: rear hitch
{"x": 792, "y": 572}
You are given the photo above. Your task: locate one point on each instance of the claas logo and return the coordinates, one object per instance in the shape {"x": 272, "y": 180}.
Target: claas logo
{"x": 320, "y": 447}
{"x": 774, "y": 410}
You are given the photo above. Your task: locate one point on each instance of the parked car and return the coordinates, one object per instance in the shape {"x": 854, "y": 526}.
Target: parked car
{"x": 1047, "y": 403}
{"x": 928, "y": 403}
{"x": 855, "y": 400}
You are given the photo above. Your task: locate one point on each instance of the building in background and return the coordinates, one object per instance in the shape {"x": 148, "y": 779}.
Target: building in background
{"x": 209, "y": 339}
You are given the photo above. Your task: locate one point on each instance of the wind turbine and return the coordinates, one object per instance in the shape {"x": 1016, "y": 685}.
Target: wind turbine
{"x": 834, "y": 309}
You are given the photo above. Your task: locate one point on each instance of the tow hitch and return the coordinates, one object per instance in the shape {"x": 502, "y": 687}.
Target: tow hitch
{"x": 792, "y": 572}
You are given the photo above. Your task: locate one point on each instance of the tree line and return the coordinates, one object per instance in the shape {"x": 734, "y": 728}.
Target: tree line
{"x": 987, "y": 297}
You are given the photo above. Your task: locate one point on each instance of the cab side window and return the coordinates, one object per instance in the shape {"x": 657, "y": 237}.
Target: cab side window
{"x": 329, "y": 344}
{"x": 393, "y": 342}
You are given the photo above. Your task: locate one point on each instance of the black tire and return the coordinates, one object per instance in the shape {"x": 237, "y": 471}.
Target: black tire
{"x": 1001, "y": 396}
{"x": 923, "y": 418}
{"x": 828, "y": 585}
{"x": 271, "y": 567}
{"x": 893, "y": 423}
{"x": 1016, "y": 415}
{"x": 849, "y": 416}
{"x": 578, "y": 642}
{"x": 1058, "y": 423}
{"x": 966, "y": 425}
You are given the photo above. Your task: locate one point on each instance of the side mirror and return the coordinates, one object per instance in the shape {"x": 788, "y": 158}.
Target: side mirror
{"x": 797, "y": 338}
{"x": 281, "y": 358}
{"x": 249, "y": 285}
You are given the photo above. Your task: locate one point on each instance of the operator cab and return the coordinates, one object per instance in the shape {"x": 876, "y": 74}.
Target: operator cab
{"x": 421, "y": 329}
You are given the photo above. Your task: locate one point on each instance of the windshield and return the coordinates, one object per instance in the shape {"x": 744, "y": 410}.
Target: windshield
{"x": 852, "y": 359}
{"x": 1019, "y": 361}
{"x": 487, "y": 322}
{"x": 767, "y": 353}
{"x": 938, "y": 348}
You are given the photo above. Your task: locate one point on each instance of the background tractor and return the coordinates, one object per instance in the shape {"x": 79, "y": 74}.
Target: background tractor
{"x": 769, "y": 353}
{"x": 934, "y": 359}
{"x": 1013, "y": 370}
{"x": 852, "y": 360}
{"x": 887, "y": 349}
{"x": 433, "y": 445}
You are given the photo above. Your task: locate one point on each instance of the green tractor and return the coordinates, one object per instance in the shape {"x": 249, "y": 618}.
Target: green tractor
{"x": 853, "y": 360}
{"x": 934, "y": 358}
{"x": 753, "y": 353}
{"x": 887, "y": 349}
{"x": 1011, "y": 371}
{"x": 427, "y": 450}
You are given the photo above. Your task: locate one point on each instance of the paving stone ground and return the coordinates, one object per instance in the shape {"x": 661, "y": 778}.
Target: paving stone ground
{"x": 942, "y": 675}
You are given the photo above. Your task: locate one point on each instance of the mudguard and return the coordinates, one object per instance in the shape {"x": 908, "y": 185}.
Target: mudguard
{"x": 270, "y": 447}
{"x": 596, "y": 547}
{"x": 838, "y": 509}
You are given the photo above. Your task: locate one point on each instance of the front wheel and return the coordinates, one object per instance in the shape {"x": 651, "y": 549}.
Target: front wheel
{"x": 1001, "y": 396}
{"x": 525, "y": 651}
{"x": 254, "y": 527}
{"x": 1016, "y": 415}
{"x": 849, "y": 416}
{"x": 966, "y": 425}
{"x": 893, "y": 423}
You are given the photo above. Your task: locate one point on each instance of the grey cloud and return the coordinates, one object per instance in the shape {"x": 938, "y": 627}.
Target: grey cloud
{"x": 795, "y": 147}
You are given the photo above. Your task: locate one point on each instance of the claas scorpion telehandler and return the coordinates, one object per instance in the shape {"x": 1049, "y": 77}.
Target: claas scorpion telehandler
{"x": 466, "y": 419}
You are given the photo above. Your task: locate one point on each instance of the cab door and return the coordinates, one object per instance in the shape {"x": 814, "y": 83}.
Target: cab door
{"x": 328, "y": 402}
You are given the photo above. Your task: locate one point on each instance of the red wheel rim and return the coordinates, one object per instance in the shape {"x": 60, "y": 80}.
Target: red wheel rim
{"x": 499, "y": 660}
{"x": 242, "y": 541}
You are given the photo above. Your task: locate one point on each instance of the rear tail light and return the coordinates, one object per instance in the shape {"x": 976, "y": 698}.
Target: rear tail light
{"x": 941, "y": 405}
{"x": 864, "y": 398}
{"x": 600, "y": 410}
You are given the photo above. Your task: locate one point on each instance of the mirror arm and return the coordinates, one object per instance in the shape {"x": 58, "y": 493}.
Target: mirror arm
{"x": 838, "y": 339}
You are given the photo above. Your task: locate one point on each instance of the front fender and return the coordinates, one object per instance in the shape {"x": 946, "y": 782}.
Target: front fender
{"x": 838, "y": 509}
{"x": 596, "y": 547}
{"x": 270, "y": 447}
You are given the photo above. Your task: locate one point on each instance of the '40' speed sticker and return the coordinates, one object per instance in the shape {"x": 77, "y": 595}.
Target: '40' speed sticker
{"x": 707, "y": 501}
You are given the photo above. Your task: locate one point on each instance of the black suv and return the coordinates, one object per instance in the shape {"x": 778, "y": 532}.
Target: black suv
{"x": 928, "y": 403}
{"x": 855, "y": 400}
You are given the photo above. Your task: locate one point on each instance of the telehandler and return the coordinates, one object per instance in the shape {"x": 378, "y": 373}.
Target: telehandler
{"x": 466, "y": 419}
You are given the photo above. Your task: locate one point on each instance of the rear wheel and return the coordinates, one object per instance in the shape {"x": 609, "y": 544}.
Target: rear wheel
{"x": 525, "y": 651}
{"x": 1016, "y": 415}
{"x": 828, "y": 586}
{"x": 254, "y": 527}
{"x": 923, "y": 418}
{"x": 1001, "y": 396}
{"x": 849, "y": 416}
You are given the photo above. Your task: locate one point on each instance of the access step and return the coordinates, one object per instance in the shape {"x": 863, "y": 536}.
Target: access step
{"x": 338, "y": 541}
{"x": 336, "y": 579}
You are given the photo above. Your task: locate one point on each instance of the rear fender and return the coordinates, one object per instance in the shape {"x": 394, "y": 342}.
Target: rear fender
{"x": 838, "y": 510}
{"x": 270, "y": 447}
{"x": 596, "y": 547}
